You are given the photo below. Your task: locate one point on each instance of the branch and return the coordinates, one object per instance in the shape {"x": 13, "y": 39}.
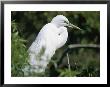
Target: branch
{"x": 83, "y": 46}
{"x": 74, "y": 46}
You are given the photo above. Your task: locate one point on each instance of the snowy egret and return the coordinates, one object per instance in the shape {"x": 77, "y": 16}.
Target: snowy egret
{"x": 51, "y": 37}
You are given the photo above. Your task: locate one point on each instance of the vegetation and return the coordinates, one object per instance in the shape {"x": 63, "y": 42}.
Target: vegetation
{"x": 19, "y": 53}
{"x": 84, "y": 62}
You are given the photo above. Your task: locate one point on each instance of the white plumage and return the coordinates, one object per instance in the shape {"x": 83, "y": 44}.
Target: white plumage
{"x": 51, "y": 37}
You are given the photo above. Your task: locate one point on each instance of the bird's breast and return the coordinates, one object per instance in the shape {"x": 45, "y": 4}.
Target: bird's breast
{"x": 52, "y": 36}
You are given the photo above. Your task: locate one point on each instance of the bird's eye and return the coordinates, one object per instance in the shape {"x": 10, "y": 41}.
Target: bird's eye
{"x": 65, "y": 22}
{"x": 59, "y": 34}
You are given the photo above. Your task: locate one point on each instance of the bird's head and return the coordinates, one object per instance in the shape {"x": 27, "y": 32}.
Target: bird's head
{"x": 61, "y": 20}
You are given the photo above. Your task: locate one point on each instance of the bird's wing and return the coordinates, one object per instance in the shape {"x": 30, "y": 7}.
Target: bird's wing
{"x": 42, "y": 41}
{"x": 37, "y": 46}
{"x": 41, "y": 50}
{"x": 36, "y": 51}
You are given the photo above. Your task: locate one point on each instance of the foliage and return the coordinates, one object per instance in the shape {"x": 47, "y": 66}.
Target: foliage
{"x": 18, "y": 53}
{"x": 68, "y": 73}
{"x": 84, "y": 62}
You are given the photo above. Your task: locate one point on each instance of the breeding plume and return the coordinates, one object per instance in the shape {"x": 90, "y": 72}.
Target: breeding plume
{"x": 52, "y": 36}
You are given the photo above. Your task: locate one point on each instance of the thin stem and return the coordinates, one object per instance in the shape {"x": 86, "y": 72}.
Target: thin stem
{"x": 69, "y": 66}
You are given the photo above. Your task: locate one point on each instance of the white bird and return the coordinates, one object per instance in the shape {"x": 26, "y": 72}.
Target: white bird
{"x": 51, "y": 37}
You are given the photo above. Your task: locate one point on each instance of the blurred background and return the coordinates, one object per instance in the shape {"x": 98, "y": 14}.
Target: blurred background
{"x": 84, "y": 62}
